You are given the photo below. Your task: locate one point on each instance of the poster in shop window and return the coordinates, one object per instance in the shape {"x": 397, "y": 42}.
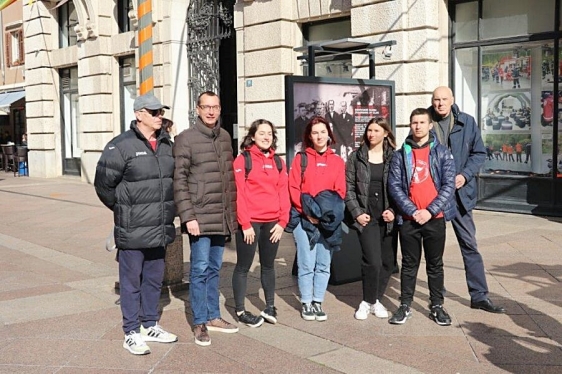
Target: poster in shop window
{"x": 347, "y": 105}
{"x": 518, "y": 110}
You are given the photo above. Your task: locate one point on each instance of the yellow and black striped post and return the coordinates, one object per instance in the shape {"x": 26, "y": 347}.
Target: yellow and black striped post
{"x": 145, "y": 46}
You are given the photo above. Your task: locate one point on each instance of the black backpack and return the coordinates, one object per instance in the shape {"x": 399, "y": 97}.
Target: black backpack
{"x": 304, "y": 163}
{"x": 248, "y": 163}
{"x": 277, "y": 159}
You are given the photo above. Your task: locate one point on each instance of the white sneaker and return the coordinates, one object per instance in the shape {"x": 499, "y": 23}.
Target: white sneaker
{"x": 157, "y": 334}
{"x": 379, "y": 310}
{"x": 135, "y": 344}
{"x": 363, "y": 310}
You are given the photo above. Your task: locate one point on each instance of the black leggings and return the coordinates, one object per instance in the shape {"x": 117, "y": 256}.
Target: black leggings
{"x": 245, "y": 257}
{"x": 378, "y": 260}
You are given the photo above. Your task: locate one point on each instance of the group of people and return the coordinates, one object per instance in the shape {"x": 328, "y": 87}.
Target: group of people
{"x": 507, "y": 151}
{"x": 147, "y": 180}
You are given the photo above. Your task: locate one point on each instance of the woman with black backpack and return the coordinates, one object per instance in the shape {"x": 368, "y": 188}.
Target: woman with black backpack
{"x": 263, "y": 212}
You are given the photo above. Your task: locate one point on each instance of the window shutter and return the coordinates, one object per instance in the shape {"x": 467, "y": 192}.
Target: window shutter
{"x": 21, "y": 57}
{"x": 8, "y": 46}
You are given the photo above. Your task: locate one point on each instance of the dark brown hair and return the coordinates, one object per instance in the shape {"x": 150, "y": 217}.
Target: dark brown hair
{"x": 248, "y": 142}
{"x": 389, "y": 140}
{"x": 308, "y": 130}
{"x": 420, "y": 112}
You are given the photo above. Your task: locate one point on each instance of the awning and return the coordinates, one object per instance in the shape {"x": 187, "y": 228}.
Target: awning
{"x": 7, "y": 98}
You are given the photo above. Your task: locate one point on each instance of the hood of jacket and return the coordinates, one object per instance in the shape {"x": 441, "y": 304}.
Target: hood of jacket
{"x": 412, "y": 143}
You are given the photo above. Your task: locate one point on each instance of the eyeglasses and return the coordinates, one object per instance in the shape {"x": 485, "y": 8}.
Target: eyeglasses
{"x": 207, "y": 108}
{"x": 154, "y": 112}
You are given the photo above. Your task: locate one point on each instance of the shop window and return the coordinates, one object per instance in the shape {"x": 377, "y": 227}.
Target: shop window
{"x": 124, "y": 21}
{"x": 502, "y": 18}
{"x": 518, "y": 109}
{"x": 466, "y": 80}
{"x": 68, "y": 20}
{"x": 15, "y": 54}
{"x": 466, "y": 22}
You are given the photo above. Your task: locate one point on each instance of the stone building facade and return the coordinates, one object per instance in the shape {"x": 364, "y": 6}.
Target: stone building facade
{"x": 79, "y": 58}
{"x": 268, "y": 31}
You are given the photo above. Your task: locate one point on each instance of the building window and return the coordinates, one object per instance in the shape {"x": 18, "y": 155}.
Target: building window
{"x": 70, "y": 121}
{"x": 124, "y": 21}
{"x": 338, "y": 66}
{"x": 15, "y": 55}
{"x": 128, "y": 79}
{"x": 68, "y": 20}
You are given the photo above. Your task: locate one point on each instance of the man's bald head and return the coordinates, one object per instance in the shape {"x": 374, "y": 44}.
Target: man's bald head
{"x": 442, "y": 100}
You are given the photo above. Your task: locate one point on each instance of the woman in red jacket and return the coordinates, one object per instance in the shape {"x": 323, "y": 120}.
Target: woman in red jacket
{"x": 325, "y": 171}
{"x": 263, "y": 212}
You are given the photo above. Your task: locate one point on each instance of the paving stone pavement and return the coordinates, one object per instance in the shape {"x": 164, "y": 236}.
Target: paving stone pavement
{"x": 59, "y": 311}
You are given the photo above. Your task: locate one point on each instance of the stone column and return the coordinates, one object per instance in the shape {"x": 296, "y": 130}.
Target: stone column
{"x": 42, "y": 83}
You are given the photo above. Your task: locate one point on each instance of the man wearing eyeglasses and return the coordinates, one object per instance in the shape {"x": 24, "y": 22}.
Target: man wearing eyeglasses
{"x": 205, "y": 196}
{"x": 134, "y": 178}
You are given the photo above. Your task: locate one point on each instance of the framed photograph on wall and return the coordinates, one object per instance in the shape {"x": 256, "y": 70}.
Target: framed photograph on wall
{"x": 347, "y": 104}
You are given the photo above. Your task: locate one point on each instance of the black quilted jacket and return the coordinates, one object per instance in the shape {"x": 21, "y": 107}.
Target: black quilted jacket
{"x": 136, "y": 183}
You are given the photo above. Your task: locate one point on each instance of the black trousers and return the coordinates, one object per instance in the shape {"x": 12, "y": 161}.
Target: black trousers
{"x": 244, "y": 258}
{"x": 432, "y": 237}
{"x": 377, "y": 262}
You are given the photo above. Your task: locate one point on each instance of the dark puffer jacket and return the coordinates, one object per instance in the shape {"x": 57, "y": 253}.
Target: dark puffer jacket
{"x": 358, "y": 179}
{"x": 442, "y": 169}
{"x": 136, "y": 183}
{"x": 467, "y": 147}
{"x": 204, "y": 186}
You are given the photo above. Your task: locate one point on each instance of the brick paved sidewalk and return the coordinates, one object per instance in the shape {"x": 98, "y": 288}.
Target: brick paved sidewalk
{"x": 59, "y": 312}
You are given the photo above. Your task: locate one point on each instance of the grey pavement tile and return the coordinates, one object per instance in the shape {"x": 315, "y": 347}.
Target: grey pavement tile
{"x": 347, "y": 360}
{"x": 85, "y": 370}
{"x": 88, "y": 325}
{"x": 115, "y": 356}
{"x": 28, "y": 369}
{"x": 551, "y": 325}
{"x": 19, "y": 291}
{"x": 38, "y": 352}
{"x": 425, "y": 353}
{"x": 48, "y": 306}
{"x": 543, "y": 290}
{"x": 514, "y": 350}
{"x": 291, "y": 340}
{"x": 265, "y": 357}
{"x": 501, "y": 325}
{"x": 534, "y": 305}
{"x": 532, "y": 368}
{"x": 191, "y": 358}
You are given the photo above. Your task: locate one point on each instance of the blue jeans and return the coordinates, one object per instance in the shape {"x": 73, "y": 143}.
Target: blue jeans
{"x": 206, "y": 262}
{"x": 314, "y": 266}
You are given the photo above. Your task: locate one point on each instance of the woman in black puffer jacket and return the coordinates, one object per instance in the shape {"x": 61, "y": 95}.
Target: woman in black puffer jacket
{"x": 367, "y": 202}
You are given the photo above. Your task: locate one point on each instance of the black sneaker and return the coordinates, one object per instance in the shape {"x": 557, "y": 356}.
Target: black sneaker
{"x": 402, "y": 314}
{"x": 307, "y": 312}
{"x": 319, "y": 314}
{"x": 270, "y": 314}
{"x": 249, "y": 319}
{"x": 440, "y": 316}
